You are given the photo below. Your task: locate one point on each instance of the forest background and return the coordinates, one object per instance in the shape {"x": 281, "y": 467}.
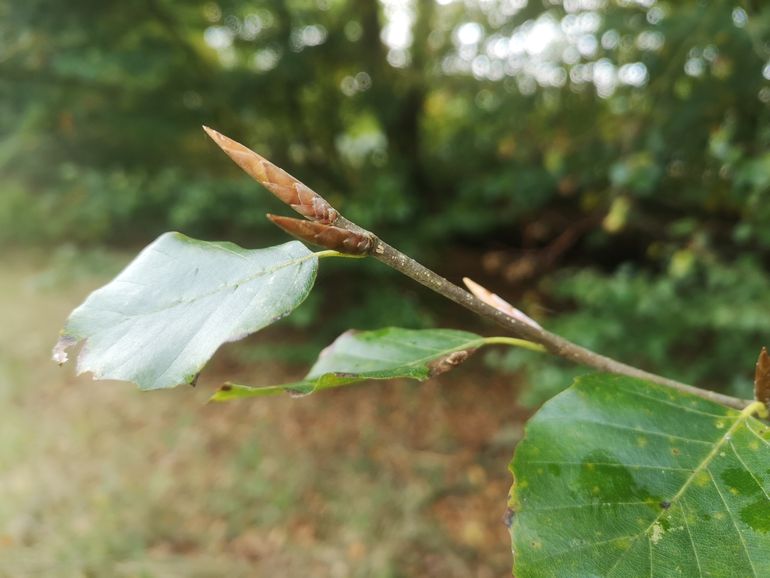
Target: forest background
{"x": 604, "y": 165}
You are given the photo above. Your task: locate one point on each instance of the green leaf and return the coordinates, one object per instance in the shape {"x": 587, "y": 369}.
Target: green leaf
{"x": 163, "y": 317}
{"x": 620, "y": 477}
{"x": 383, "y": 354}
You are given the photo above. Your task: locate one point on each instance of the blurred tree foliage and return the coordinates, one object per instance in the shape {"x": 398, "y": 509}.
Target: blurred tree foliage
{"x": 613, "y": 155}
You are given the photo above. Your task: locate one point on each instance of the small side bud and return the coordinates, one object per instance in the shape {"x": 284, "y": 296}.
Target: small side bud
{"x": 498, "y": 303}
{"x": 762, "y": 378}
{"x": 327, "y": 236}
{"x": 294, "y": 193}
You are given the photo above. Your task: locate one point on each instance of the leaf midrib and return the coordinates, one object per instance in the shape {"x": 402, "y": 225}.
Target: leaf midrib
{"x": 221, "y": 288}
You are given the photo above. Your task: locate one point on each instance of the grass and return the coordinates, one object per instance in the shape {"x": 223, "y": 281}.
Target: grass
{"x": 98, "y": 479}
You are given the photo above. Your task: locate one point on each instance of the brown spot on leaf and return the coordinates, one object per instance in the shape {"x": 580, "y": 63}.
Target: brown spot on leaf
{"x": 226, "y": 387}
{"x": 448, "y": 362}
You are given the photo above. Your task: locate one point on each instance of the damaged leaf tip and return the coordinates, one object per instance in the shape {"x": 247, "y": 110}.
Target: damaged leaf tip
{"x": 449, "y": 362}
{"x": 59, "y": 353}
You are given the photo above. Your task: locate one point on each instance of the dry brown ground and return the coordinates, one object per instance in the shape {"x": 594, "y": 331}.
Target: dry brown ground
{"x": 98, "y": 479}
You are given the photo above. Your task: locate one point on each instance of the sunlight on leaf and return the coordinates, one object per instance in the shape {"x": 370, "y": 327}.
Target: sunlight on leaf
{"x": 161, "y": 319}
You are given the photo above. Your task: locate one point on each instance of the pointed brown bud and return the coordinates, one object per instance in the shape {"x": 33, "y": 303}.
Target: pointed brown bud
{"x": 299, "y": 197}
{"x": 327, "y": 236}
{"x": 498, "y": 303}
{"x": 762, "y": 378}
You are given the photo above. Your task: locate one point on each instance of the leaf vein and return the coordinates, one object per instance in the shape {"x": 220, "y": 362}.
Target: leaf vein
{"x": 735, "y": 525}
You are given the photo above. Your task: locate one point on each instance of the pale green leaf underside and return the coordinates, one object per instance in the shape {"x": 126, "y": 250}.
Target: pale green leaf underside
{"x": 383, "y": 354}
{"x": 619, "y": 477}
{"x": 163, "y": 317}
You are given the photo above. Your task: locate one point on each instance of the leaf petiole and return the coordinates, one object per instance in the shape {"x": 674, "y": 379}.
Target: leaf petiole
{"x": 514, "y": 342}
{"x": 332, "y": 253}
{"x": 755, "y": 407}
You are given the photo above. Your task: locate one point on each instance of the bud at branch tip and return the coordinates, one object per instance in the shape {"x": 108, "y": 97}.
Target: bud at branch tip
{"x": 294, "y": 193}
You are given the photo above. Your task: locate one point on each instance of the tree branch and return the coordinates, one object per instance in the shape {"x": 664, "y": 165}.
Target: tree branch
{"x": 307, "y": 202}
{"x": 553, "y": 343}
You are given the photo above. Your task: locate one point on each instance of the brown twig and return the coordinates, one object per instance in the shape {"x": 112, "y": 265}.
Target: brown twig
{"x": 311, "y": 205}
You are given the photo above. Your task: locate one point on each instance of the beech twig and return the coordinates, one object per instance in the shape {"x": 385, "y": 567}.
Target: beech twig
{"x": 330, "y": 227}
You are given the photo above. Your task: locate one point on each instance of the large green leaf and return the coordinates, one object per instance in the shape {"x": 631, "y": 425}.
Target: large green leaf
{"x": 383, "y": 354}
{"x": 163, "y": 317}
{"x": 619, "y": 477}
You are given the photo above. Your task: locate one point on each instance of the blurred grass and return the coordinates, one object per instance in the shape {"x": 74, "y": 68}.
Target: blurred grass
{"x": 98, "y": 479}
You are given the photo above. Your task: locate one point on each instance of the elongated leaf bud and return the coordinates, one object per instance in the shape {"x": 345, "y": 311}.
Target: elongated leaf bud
{"x": 294, "y": 193}
{"x": 327, "y": 236}
{"x": 762, "y": 378}
{"x": 498, "y": 303}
